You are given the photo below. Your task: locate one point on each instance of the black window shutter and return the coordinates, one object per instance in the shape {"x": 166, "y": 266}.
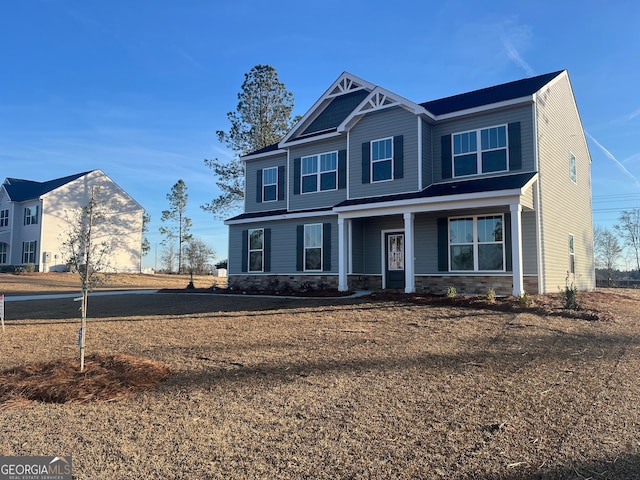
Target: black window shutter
{"x": 266, "y": 265}
{"x": 443, "y": 245}
{"x": 398, "y": 156}
{"x": 296, "y": 176}
{"x": 245, "y": 250}
{"x": 342, "y": 169}
{"x": 445, "y": 143}
{"x": 326, "y": 247}
{"x": 507, "y": 242}
{"x": 281, "y": 182}
{"x": 259, "y": 187}
{"x": 515, "y": 146}
{"x": 366, "y": 162}
{"x": 299, "y": 248}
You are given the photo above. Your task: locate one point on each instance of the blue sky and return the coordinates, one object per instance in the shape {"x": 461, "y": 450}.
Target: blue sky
{"x": 139, "y": 88}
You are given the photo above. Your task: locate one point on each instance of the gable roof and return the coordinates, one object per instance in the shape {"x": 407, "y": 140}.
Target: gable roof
{"x": 487, "y": 96}
{"x": 20, "y": 190}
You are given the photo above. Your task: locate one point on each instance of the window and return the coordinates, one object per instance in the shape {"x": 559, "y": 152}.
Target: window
{"x": 382, "y": 160}
{"x": 256, "y": 250}
{"x": 572, "y": 168}
{"x": 476, "y": 243}
{"x": 4, "y": 218}
{"x": 29, "y": 252}
{"x": 490, "y": 157}
{"x": 270, "y": 184}
{"x": 31, "y": 215}
{"x": 320, "y": 172}
{"x": 313, "y": 247}
{"x": 572, "y": 256}
{"x": 4, "y": 252}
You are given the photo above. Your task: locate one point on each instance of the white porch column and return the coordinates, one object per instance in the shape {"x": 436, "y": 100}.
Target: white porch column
{"x": 516, "y": 249}
{"x": 342, "y": 255}
{"x": 409, "y": 278}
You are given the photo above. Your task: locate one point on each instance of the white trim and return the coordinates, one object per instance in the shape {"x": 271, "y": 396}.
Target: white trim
{"x": 319, "y": 172}
{"x": 475, "y": 243}
{"x": 258, "y": 156}
{"x": 249, "y": 250}
{"x": 304, "y": 247}
{"x": 485, "y": 108}
{"x": 269, "y": 185}
{"x": 385, "y": 159}
{"x": 479, "y": 151}
{"x": 420, "y": 133}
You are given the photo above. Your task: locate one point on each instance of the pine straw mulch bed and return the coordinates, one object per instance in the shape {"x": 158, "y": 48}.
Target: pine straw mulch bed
{"x": 104, "y": 377}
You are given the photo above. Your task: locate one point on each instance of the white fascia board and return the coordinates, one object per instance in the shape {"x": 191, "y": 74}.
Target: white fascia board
{"x": 430, "y": 204}
{"x": 313, "y": 138}
{"x": 325, "y": 96}
{"x": 263, "y": 155}
{"x": 284, "y": 216}
{"x": 486, "y": 108}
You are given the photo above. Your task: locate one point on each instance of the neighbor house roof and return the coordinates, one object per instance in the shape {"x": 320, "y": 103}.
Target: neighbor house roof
{"x": 20, "y": 190}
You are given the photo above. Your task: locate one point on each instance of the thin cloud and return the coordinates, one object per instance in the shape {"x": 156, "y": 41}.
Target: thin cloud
{"x": 514, "y": 56}
{"x": 632, "y": 115}
{"x": 187, "y": 57}
{"x": 615, "y": 160}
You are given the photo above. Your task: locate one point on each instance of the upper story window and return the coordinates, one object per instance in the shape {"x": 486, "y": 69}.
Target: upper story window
{"x": 256, "y": 250}
{"x": 320, "y": 172}
{"x": 4, "y": 218}
{"x": 31, "y": 215}
{"x": 491, "y": 156}
{"x": 270, "y": 184}
{"x": 476, "y": 243}
{"x": 572, "y": 168}
{"x": 382, "y": 160}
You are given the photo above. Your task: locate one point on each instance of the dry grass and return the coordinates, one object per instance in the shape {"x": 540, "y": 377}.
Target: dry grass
{"x": 342, "y": 388}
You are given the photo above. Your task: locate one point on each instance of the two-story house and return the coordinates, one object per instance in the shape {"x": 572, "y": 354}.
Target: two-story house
{"x": 35, "y": 216}
{"x": 488, "y": 189}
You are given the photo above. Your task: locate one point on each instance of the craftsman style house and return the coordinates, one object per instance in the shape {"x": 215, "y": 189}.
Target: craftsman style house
{"x": 35, "y": 216}
{"x": 489, "y": 189}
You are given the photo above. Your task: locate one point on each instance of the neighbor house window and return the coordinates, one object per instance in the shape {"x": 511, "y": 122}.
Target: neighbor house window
{"x": 256, "y": 250}
{"x": 382, "y": 160}
{"x": 4, "y": 218}
{"x": 572, "y": 168}
{"x": 480, "y": 151}
{"x": 31, "y": 215}
{"x": 476, "y": 243}
{"x": 4, "y": 252}
{"x": 29, "y": 252}
{"x": 320, "y": 172}
{"x": 572, "y": 256}
{"x": 313, "y": 247}
{"x": 270, "y": 184}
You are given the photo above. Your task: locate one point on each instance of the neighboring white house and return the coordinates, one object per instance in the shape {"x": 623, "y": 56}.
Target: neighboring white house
{"x": 34, "y": 221}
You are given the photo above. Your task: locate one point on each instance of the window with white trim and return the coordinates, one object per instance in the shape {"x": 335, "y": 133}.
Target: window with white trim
{"x": 320, "y": 172}
{"x": 270, "y": 184}
{"x": 29, "y": 252}
{"x": 256, "y": 250}
{"x": 4, "y": 252}
{"x": 31, "y": 215}
{"x": 4, "y": 218}
{"x": 477, "y": 244}
{"x": 492, "y": 156}
{"x": 573, "y": 174}
{"x": 313, "y": 247}
{"x": 572, "y": 256}
{"x": 382, "y": 160}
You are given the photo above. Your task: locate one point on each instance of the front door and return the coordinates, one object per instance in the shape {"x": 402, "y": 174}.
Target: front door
{"x": 395, "y": 260}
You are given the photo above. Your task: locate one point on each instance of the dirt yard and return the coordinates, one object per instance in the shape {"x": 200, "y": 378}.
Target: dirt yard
{"x": 372, "y": 387}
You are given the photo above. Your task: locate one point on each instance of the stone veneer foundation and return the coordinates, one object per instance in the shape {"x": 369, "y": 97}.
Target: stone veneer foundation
{"x": 438, "y": 285}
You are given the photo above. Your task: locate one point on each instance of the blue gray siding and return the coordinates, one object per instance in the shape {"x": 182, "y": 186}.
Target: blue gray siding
{"x": 523, "y": 115}
{"x": 374, "y": 126}
{"x": 251, "y": 185}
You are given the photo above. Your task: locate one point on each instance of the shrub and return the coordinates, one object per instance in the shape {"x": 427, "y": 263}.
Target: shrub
{"x": 525, "y": 299}
{"x": 451, "y": 292}
{"x": 491, "y": 295}
{"x": 570, "y": 296}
